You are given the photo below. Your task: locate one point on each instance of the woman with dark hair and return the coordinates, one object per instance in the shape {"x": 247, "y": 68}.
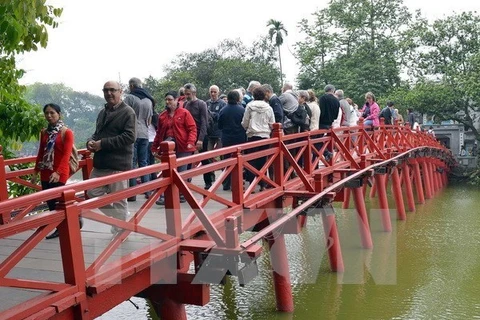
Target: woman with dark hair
{"x": 230, "y": 123}
{"x": 177, "y": 125}
{"x": 258, "y": 121}
{"x": 56, "y": 143}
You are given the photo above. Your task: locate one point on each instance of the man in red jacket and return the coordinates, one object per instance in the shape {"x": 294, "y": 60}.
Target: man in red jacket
{"x": 177, "y": 125}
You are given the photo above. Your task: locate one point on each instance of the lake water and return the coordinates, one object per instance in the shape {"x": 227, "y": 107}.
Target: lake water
{"x": 427, "y": 268}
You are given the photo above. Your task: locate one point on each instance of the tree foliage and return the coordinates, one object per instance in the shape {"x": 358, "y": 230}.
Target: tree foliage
{"x": 447, "y": 69}
{"x": 355, "y": 45}
{"x": 23, "y": 27}
{"x": 79, "y": 109}
{"x": 229, "y": 65}
{"x": 276, "y": 32}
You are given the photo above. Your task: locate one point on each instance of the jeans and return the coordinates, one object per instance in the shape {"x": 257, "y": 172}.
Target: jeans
{"x": 151, "y": 160}
{"x": 140, "y": 156}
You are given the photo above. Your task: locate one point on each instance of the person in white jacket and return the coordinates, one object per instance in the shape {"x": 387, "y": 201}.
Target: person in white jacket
{"x": 258, "y": 121}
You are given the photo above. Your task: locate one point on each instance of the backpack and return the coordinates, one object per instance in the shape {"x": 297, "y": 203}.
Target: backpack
{"x": 213, "y": 112}
{"x": 212, "y": 120}
{"x": 300, "y": 117}
{"x": 73, "y": 161}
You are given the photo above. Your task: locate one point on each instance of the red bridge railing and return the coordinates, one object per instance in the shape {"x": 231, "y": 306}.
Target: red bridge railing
{"x": 302, "y": 177}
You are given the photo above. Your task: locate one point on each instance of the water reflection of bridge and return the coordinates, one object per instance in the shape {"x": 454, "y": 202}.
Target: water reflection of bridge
{"x": 172, "y": 254}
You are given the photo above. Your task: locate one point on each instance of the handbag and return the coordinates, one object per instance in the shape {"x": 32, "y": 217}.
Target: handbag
{"x": 73, "y": 161}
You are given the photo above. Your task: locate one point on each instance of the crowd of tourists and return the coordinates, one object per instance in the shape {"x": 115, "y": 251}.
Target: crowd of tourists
{"x": 130, "y": 128}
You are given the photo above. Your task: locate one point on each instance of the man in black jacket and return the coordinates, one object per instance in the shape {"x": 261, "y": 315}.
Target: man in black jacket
{"x": 387, "y": 113}
{"x": 212, "y": 139}
{"x": 274, "y": 102}
{"x": 329, "y": 107}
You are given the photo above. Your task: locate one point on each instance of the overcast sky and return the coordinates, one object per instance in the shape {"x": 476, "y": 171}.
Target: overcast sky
{"x": 99, "y": 40}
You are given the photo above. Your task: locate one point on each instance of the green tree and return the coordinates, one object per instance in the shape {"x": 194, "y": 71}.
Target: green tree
{"x": 276, "y": 31}
{"x": 23, "y": 27}
{"x": 79, "y": 109}
{"x": 355, "y": 45}
{"x": 447, "y": 67}
{"x": 229, "y": 65}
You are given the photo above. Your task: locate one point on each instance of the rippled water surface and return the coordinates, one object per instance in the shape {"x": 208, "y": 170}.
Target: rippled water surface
{"x": 427, "y": 268}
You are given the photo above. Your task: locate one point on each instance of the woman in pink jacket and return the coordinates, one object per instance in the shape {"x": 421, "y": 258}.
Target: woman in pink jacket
{"x": 370, "y": 111}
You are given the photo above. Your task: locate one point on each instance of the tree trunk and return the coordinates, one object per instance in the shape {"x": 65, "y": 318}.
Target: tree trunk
{"x": 281, "y": 71}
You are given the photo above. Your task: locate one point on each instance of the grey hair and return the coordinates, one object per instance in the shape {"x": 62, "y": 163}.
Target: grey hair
{"x": 267, "y": 87}
{"x": 339, "y": 93}
{"x": 191, "y": 87}
{"x": 240, "y": 93}
{"x": 135, "y": 82}
{"x": 304, "y": 94}
{"x": 253, "y": 84}
{"x": 329, "y": 88}
{"x": 287, "y": 86}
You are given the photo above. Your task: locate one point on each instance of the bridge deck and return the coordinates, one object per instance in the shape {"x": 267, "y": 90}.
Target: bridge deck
{"x": 44, "y": 262}
{"x": 208, "y": 230}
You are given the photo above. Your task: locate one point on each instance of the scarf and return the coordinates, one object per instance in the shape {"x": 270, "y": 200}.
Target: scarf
{"x": 48, "y": 155}
{"x": 142, "y": 94}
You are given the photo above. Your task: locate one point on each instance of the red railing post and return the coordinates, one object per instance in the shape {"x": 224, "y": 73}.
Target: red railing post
{"x": 278, "y": 163}
{"x": 382, "y": 198}
{"x": 408, "y": 186}
{"x": 397, "y": 194}
{"x": 87, "y": 168}
{"x": 72, "y": 250}
{"x": 307, "y": 156}
{"x": 426, "y": 178}
{"x": 172, "y": 195}
{"x": 346, "y": 199}
{"x": 4, "y": 217}
{"x": 281, "y": 272}
{"x": 237, "y": 178}
{"x": 363, "y": 224}
{"x": 332, "y": 240}
{"x": 361, "y": 138}
{"x": 418, "y": 181}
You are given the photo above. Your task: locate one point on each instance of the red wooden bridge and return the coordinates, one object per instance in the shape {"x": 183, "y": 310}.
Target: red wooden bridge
{"x": 172, "y": 254}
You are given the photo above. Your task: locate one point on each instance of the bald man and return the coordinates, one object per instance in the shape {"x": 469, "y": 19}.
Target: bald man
{"x": 112, "y": 145}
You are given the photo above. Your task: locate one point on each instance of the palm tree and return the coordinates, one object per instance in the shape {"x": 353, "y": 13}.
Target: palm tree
{"x": 276, "y": 30}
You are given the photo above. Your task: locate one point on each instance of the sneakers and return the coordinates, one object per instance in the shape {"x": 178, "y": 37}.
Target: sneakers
{"x": 53, "y": 235}
{"x": 182, "y": 199}
{"x": 226, "y": 188}
{"x": 161, "y": 200}
{"x": 328, "y": 156}
{"x": 132, "y": 199}
{"x": 207, "y": 186}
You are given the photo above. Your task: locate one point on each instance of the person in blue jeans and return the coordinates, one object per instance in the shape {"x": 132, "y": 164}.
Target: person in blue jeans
{"x": 142, "y": 103}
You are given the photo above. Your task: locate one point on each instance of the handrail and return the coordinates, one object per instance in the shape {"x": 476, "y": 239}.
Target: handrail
{"x": 354, "y": 148}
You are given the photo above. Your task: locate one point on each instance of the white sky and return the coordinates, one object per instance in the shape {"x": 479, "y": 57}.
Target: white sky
{"x": 100, "y": 40}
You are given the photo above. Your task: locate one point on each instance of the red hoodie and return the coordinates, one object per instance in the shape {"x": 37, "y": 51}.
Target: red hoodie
{"x": 184, "y": 130}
